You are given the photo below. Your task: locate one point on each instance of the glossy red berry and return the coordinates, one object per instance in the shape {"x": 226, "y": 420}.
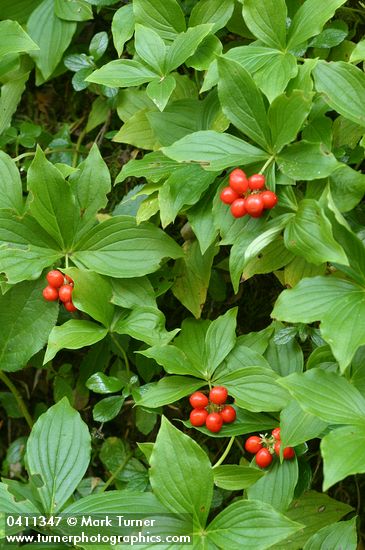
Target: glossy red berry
{"x": 257, "y": 181}
{"x": 269, "y": 199}
{"x": 65, "y": 293}
{"x": 228, "y": 413}
{"x": 254, "y": 205}
{"x": 198, "y": 400}
{"x": 263, "y": 458}
{"x": 198, "y": 417}
{"x": 288, "y": 452}
{"x": 238, "y": 181}
{"x": 50, "y": 294}
{"x": 228, "y": 195}
{"x": 218, "y": 395}
{"x": 253, "y": 444}
{"x": 276, "y": 433}
{"x": 70, "y": 306}
{"x": 214, "y": 422}
{"x": 238, "y": 208}
{"x": 55, "y": 278}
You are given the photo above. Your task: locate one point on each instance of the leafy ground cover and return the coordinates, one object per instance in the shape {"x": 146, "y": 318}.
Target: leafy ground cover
{"x": 182, "y": 219}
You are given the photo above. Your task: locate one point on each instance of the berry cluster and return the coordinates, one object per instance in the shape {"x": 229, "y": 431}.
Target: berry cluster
{"x": 264, "y": 447}
{"x": 245, "y": 195}
{"x": 212, "y": 411}
{"x": 59, "y": 287}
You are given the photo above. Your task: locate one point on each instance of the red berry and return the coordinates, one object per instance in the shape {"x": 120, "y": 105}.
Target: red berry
{"x": 276, "y": 433}
{"x": 70, "y": 306}
{"x": 257, "y": 181}
{"x": 228, "y": 413}
{"x": 218, "y": 395}
{"x": 69, "y": 280}
{"x": 238, "y": 181}
{"x": 238, "y": 208}
{"x": 198, "y": 400}
{"x": 214, "y": 422}
{"x": 198, "y": 417}
{"x": 254, "y": 205}
{"x": 253, "y": 444}
{"x": 65, "y": 293}
{"x": 55, "y": 278}
{"x": 288, "y": 452}
{"x": 263, "y": 458}
{"x": 269, "y": 199}
{"x": 50, "y": 294}
{"x": 228, "y": 195}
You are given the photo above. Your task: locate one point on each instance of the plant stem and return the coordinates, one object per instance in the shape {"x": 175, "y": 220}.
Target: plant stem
{"x": 122, "y": 352}
{"x": 77, "y": 148}
{"x": 46, "y": 152}
{"x": 18, "y": 397}
{"x": 66, "y": 261}
{"x": 267, "y": 164}
{"x": 117, "y": 471}
{"x": 224, "y": 455}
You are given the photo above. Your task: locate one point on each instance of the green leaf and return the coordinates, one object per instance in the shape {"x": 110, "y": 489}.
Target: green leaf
{"x": 358, "y": 53}
{"x": 314, "y": 510}
{"x": 122, "y": 73}
{"x": 173, "y": 359}
{"x": 327, "y": 395}
{"x": 122, "y": 27}
{"x": 273, "y": 78}
{"x": 243, "y": 355}
{"x": 164, "y": 16}
{"x": 73, "y": 10}
{"x": 73, "y": 334}
{"x": 119, "y": 248}
{"x": 242, "y": 102}
{"x": 298, "y": 426}
{"x": 192, "y": 275}
{"x": 11, "y": 193}
{"x": 153, "y": 166}
{"x": 341, "y": 461}
{"x": 101, "y": 383}
{"x": 160, "y": 90}
{"x": 184, "y": 186}
{"x": 150, "y": 48}
{"x": 107, "y": 408}
{"x": 278, "y": 485}
{"x": 214, "y": 151}
{"x": 180, "y": 474}
{"x": 343, "y": 86}
{"x": 185, "y": 45}
{"x": 131, "y": 293}
{"x": 206, "y": 53}
{"x": 309, "y": 234}
{"x": 98, "y": 45}
{"x": 14, "y": 39}
{"x": 284, "y": 358}
{"x": 51, "y": 201}
{"x": 117, "y": 502}
{"x": 146, "y": 324}
{"x": 249, "y": 524}
{"x": 21, "y": 307}
{"x": 58, "y": 450}
{"x": 233, "y": 477}
{"x": 267, "y": 21}
{"x": 347, "y": 187}
{"x": 338, "y": 535}
{"x": 137, "y": 131}
{"x": 336, "y": 303}
{"x": 220, "y": 339}
{"x": 91, "y": 184}
{"x": 217, "y": 12}
{"x": 286, "y": 116}
{"x": 53, "y": 36}
{"x": 310, "y": 19}
{"x": 306, "y": 161}
{"x": 11, "y": 93}
{"x": 167, "y": 390}
{"x": 254, "y": 388}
